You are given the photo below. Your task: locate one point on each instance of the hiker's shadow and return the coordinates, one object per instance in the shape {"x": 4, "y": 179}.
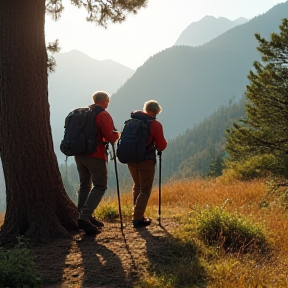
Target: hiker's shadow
{"x": 101, "y": 265}
{"x": 169, "y": 256}
{"x": 156, "y": 245}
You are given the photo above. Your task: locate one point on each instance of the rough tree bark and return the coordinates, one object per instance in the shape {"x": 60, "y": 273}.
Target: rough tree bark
{"x": 37, "y": 204}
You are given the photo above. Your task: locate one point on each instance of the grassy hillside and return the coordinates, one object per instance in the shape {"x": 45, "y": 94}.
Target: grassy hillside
{"x": 208, "y": 213}
{"x": 222, "y": 233}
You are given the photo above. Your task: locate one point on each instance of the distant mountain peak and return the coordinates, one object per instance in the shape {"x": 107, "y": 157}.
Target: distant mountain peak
{"x": 240, "y": 20}
{"x": 76, "y": 52}
{"x": 81, "y": 56}
{"x": 213, "y": 18}
{"x": 207, "y": 17}
{"x": 206, "y": 29}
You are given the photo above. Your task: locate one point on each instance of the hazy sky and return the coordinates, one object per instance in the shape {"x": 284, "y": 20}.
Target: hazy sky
{"x": 150, "y": 31}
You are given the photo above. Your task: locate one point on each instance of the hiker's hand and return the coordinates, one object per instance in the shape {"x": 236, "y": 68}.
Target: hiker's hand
{"x": 118, "y": 136}
{"x": 159, "y": 153}
{"x": 118, "y": 133}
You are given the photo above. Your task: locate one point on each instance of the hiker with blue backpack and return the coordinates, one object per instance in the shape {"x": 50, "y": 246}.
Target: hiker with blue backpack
{"x": 87, "y": 133}
{"x": 142, "y": 135}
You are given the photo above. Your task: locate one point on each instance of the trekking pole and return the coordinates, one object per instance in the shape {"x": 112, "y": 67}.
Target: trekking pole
{"x": 159, "y": 153}
{"x": 117, "y": 182}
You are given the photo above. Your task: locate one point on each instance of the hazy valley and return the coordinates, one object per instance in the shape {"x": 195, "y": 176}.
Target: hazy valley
{"x": 190, "y": 83}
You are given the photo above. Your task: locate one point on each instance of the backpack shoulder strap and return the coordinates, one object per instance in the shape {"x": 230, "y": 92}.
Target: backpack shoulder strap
{"x": 97, "y": 109}
{"x": 148, "y": 124}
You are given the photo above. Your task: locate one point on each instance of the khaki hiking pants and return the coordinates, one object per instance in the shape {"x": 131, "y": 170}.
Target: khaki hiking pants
{"x": 143, "y": 177}
{"x": 92, "y": 171}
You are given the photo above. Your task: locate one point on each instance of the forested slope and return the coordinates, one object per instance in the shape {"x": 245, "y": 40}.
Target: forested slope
{"x": 191, "y": 83}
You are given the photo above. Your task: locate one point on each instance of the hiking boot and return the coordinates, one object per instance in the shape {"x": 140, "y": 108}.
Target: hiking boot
{"x": 141, "y": 223}
{"x": 96, "y": 223}
{"x": 88, "y": 227}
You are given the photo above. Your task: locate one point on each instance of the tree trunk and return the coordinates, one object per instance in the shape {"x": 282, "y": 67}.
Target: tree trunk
{"x": 37, "y": 204}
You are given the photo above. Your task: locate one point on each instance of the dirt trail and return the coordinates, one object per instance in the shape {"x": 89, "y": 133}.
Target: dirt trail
{"x": 111, "y": 259}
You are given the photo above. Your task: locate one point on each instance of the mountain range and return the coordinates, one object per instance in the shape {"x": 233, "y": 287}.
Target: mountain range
{"x": 77, "y": 76}
{"x": 190, "y": 83}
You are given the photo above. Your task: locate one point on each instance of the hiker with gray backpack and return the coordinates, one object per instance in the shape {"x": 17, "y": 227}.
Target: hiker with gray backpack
{"x": 87, "y": 134}
{"x": 142, "y": 135}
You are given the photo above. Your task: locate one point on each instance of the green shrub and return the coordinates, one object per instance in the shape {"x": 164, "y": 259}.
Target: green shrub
{"x": 230, "y": 231}
{"x": 126, "y": 209}
{"x": 259, "y": 166}
{"x": 17, "y": 269}
{"x": 108, "y": 212}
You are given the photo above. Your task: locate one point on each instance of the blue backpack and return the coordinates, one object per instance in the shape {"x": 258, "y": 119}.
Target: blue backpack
{"x": 133, "y": 143}
{"x": 80, "y": 135}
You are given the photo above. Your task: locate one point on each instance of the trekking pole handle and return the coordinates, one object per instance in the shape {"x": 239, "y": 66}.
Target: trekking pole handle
{"x": 159, "y": 153}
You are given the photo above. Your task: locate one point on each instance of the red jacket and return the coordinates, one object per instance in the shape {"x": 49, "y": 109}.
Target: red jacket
{"x": 158, "y": 136}
{"x": 106, "y": 133}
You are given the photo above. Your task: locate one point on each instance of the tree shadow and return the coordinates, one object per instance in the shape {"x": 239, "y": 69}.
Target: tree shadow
{"x": 50, "y": 260}
{"x": 101, "y": 265}
{"x": 172, "y": 260}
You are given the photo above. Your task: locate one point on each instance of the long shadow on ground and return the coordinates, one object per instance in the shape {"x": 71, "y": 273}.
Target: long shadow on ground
{"x": 104, "y": 268}
{"x": 50, "y": 259}
{"x": 173, "y": 261}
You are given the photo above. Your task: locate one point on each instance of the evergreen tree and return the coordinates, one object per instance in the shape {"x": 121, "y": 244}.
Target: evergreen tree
{"x": 264, "y": 131}
{"x": 37, "y": 204}
{"x": 216, "y": 166}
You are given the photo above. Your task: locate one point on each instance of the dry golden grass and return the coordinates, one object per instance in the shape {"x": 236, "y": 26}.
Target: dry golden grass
{"x": 184, "y": 199}
{"x": 248, "y": 199}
